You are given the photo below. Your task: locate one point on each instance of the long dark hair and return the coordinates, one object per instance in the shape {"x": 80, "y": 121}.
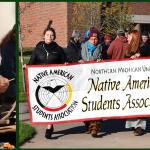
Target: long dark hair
{"x": 10, "y": 36}
{"x": 49, "y": 28}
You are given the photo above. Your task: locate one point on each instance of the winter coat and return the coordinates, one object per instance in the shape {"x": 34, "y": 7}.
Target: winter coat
{"x": 118, "y": 48}
{"x": 145, "y": 49}
{"x": 73, "y": 51}
{"x": 47, "y": 54}
{"x": 96, "y": 54}
{"x": 104, "y": 50}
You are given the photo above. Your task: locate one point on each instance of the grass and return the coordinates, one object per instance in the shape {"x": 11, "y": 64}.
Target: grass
{"x": 22, "y": 93}
{"x": 25, "y": 132}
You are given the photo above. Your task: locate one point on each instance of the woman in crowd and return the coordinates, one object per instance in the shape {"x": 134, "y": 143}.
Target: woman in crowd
{"x": 91, "y": 51}
{"x": 134, "y": 41}
{"x": 48, "y": 52}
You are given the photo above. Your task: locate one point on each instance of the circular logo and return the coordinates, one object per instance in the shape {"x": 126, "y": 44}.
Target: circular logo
{"x": 53, "y": 94}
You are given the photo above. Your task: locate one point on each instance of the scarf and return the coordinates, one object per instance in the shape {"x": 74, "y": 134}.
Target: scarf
{"x": 91, "y": 48}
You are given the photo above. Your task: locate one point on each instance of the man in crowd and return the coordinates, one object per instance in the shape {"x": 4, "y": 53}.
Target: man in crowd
{"x": 118, "y": 47}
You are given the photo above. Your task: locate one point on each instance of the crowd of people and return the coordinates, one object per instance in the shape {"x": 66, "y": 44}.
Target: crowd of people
{"x": 126, "y": 44}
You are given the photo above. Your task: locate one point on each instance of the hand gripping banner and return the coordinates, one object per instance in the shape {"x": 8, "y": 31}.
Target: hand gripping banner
{"x": 89, "y": 91}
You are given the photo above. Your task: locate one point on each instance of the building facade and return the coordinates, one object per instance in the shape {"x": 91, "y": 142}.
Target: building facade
{"x": 141, "y": 15}
{"x": 34, "y": 17}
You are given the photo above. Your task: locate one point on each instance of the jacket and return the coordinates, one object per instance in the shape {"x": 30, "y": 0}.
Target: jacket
{"x": 47, "y": 54}
{"x": 118, "y": 48}
{"x": 145, "y": 49}
{"x": 73, "y": 51}
{"x": 96, "y": 54}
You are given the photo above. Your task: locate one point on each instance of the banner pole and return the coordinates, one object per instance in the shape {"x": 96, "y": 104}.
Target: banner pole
{"x": 22, "y": 61}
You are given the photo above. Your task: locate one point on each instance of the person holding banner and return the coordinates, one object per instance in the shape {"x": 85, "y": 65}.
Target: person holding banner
{"x": 118, "y": 47}
{"x": 48, "y": 52}
{"x": 145, "y": 46}
{"x": 91, "y": 51}
{"x": 134, "y": 41}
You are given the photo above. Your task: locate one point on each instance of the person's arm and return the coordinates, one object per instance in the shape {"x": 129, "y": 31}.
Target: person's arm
{"x": 84, "y": 52}
{"x": 110, "y": 50}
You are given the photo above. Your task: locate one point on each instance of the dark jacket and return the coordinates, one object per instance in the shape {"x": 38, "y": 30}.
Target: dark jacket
{"x": 73, "y": 51}
{"x": 8, "y": 66}
{"x": 104, "y": 50}
{"x": 145, "y": 49}
{"x": 47, "y": 54}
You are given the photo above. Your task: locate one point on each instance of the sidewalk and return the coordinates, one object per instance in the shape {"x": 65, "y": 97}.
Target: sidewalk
{"x": 72, "y": 135}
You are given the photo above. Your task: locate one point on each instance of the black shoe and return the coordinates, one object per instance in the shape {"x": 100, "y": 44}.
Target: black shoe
{"x": 49, "y": 132}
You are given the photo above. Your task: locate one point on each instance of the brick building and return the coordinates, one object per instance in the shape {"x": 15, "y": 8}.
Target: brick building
{"x": 141, "y": 17}
{"x": 34, "y": 17}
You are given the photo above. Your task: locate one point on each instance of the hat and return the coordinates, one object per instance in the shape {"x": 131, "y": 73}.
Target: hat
{"x": 75, "y": 34}
{"x": 93, "y": 32}
{"x": 145, "y": 33}
{"x": 120, "y": 31}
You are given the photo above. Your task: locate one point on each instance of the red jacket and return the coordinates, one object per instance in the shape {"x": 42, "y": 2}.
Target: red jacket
{"x": 118, "y": 48}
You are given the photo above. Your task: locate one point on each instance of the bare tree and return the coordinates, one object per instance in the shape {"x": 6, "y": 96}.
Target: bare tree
{"x": 85, "y": 15}
{"x": 106, "y": 16}
{"x": 119, "y": 15}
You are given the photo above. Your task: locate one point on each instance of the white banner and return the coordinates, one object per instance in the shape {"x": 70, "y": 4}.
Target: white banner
{"x": 89, "y": 91}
